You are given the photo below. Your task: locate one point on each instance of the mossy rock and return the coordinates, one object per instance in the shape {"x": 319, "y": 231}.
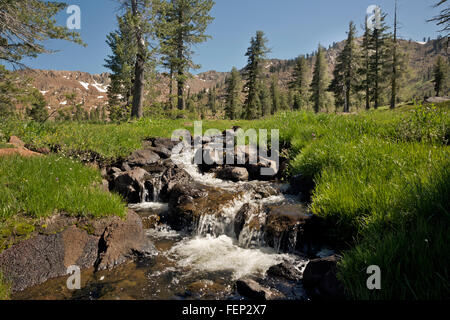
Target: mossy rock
{"x": 23, "y": 229}
{"x": 89, "y": 228}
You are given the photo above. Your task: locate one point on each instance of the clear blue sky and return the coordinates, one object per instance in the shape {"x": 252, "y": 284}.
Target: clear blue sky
{"x": 293, "y": 27}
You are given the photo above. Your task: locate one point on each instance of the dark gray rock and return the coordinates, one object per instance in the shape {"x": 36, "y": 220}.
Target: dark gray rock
{"x": 320, "y": 279}
{"x": 131, "y": 184}
{"x": 302, "y": 185}
{"x": 254, "y": 291}
{"x": 247, "y": 210}
{"x": 68, "y": 241}
{"x": 285, "y": 270}
{"x": 142, "y": 158}
{"x": 233, "y": 174}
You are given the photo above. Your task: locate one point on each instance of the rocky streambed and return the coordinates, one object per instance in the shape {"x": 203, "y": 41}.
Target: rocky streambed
{"x": 210, "y": 232}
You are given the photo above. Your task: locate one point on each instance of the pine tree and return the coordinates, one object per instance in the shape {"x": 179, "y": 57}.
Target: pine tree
{"x": 364, "y": 71}
{"x": 443, "y": 19}
{"x": 25, "y": 25}
{"x": 345, "y": 81}
{"x": 212, "y": 101}
{"x": 379, "y": 42}
{"x": 188, "y": 21}
{"x": 275, "y": 95}
{"x": 395, "y": 64}
{"x": 319, "y": 82}
{"x": 253, "y": 73}
{"x": 266, "y": 101}
{"x": 165, "y": 26}
{"x": 233, "y": 87}
{"x": 121, "y": 63}
{"x": 440, "y": 73}
{"x": 299, "y": 84}
{"x": 38, "y": 110}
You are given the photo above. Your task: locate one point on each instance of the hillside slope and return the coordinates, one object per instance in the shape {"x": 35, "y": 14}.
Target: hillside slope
{"x": 91, "y": 89}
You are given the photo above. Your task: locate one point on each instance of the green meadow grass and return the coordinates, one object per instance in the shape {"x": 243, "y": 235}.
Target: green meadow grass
{"x": 38, "y": 187}
{"x": 382, "y": 183}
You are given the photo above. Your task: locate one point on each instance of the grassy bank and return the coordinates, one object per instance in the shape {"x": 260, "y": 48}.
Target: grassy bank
{"x": 38, "y": 187}
{"x": 382, "y": 180}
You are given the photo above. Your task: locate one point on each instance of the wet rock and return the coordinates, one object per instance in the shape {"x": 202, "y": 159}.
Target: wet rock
{"x": 264, "y": 169}
{"x": 150, "y": 221}
{"x": 113, "y": 170}
{"x": 183, "y": 209}
{"x": 159, "y": 167}
{"x": 171, "y": 177}
{"x": 302, "y": 185}
{"x": 165, "y": 143}
{"x": 245, "y": 154}
{"x": 189, "y": 202}
{"x": 285, "y": 270}
{"x": 162, "y": 152}
{"x": 131, "y": 184}
{"x": 123, "y": 240}
{"x": 142, "y": 158}
{"x": 253, "y": 290}
{"x": 320, "y": 279}
{"x": 67, "y": 241}
{"x": 286, "y": 225}
{"x": 233, "y": 174}
{"x": 209, "y": 157}
{"x": 36, "y": 260}
{"x": 248, "y": 210}
{"x": 126, "y": 167}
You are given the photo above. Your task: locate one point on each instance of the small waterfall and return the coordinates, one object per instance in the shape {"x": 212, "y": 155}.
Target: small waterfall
{"x": 144, "y": 193}
{"x": 222, "y": 223}
{"x": 156, "y": 187}
{"x": 252, "y": 234}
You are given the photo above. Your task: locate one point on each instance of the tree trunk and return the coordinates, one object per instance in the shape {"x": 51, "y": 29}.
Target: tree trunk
{"x": 180, "y": 80}
{"x": 138, "y": 96}
{"x": 171, "y": 88}
{"x": 394, "y": 63}
{"x": 377, "y": 62}
{"x": 138, "y": 91}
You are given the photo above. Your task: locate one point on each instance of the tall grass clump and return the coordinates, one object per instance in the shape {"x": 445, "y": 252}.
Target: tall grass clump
{"x": 41, "y": 186}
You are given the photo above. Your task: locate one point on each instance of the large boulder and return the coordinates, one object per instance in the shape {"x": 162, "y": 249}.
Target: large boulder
{"x": 66, "y": 241}
{"x": 320, "y": 279}
{"x": 254, "y": 291}
{"x": 161, "y": 143}
{"x": 209, "y": 157}
{"x": 131, "y": 184}
{"x": 189, "y": 202}
{"x": 286, "y": 271}
{"x": 123, "y": 240}
{"x": 290, "y": 227}
{"x": 172, "y": 176}
{"x": 143, "y": 157}
{"x": 233, "y": 174}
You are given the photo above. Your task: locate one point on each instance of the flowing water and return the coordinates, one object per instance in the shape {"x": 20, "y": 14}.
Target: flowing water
{"x": 204, "y": 264}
